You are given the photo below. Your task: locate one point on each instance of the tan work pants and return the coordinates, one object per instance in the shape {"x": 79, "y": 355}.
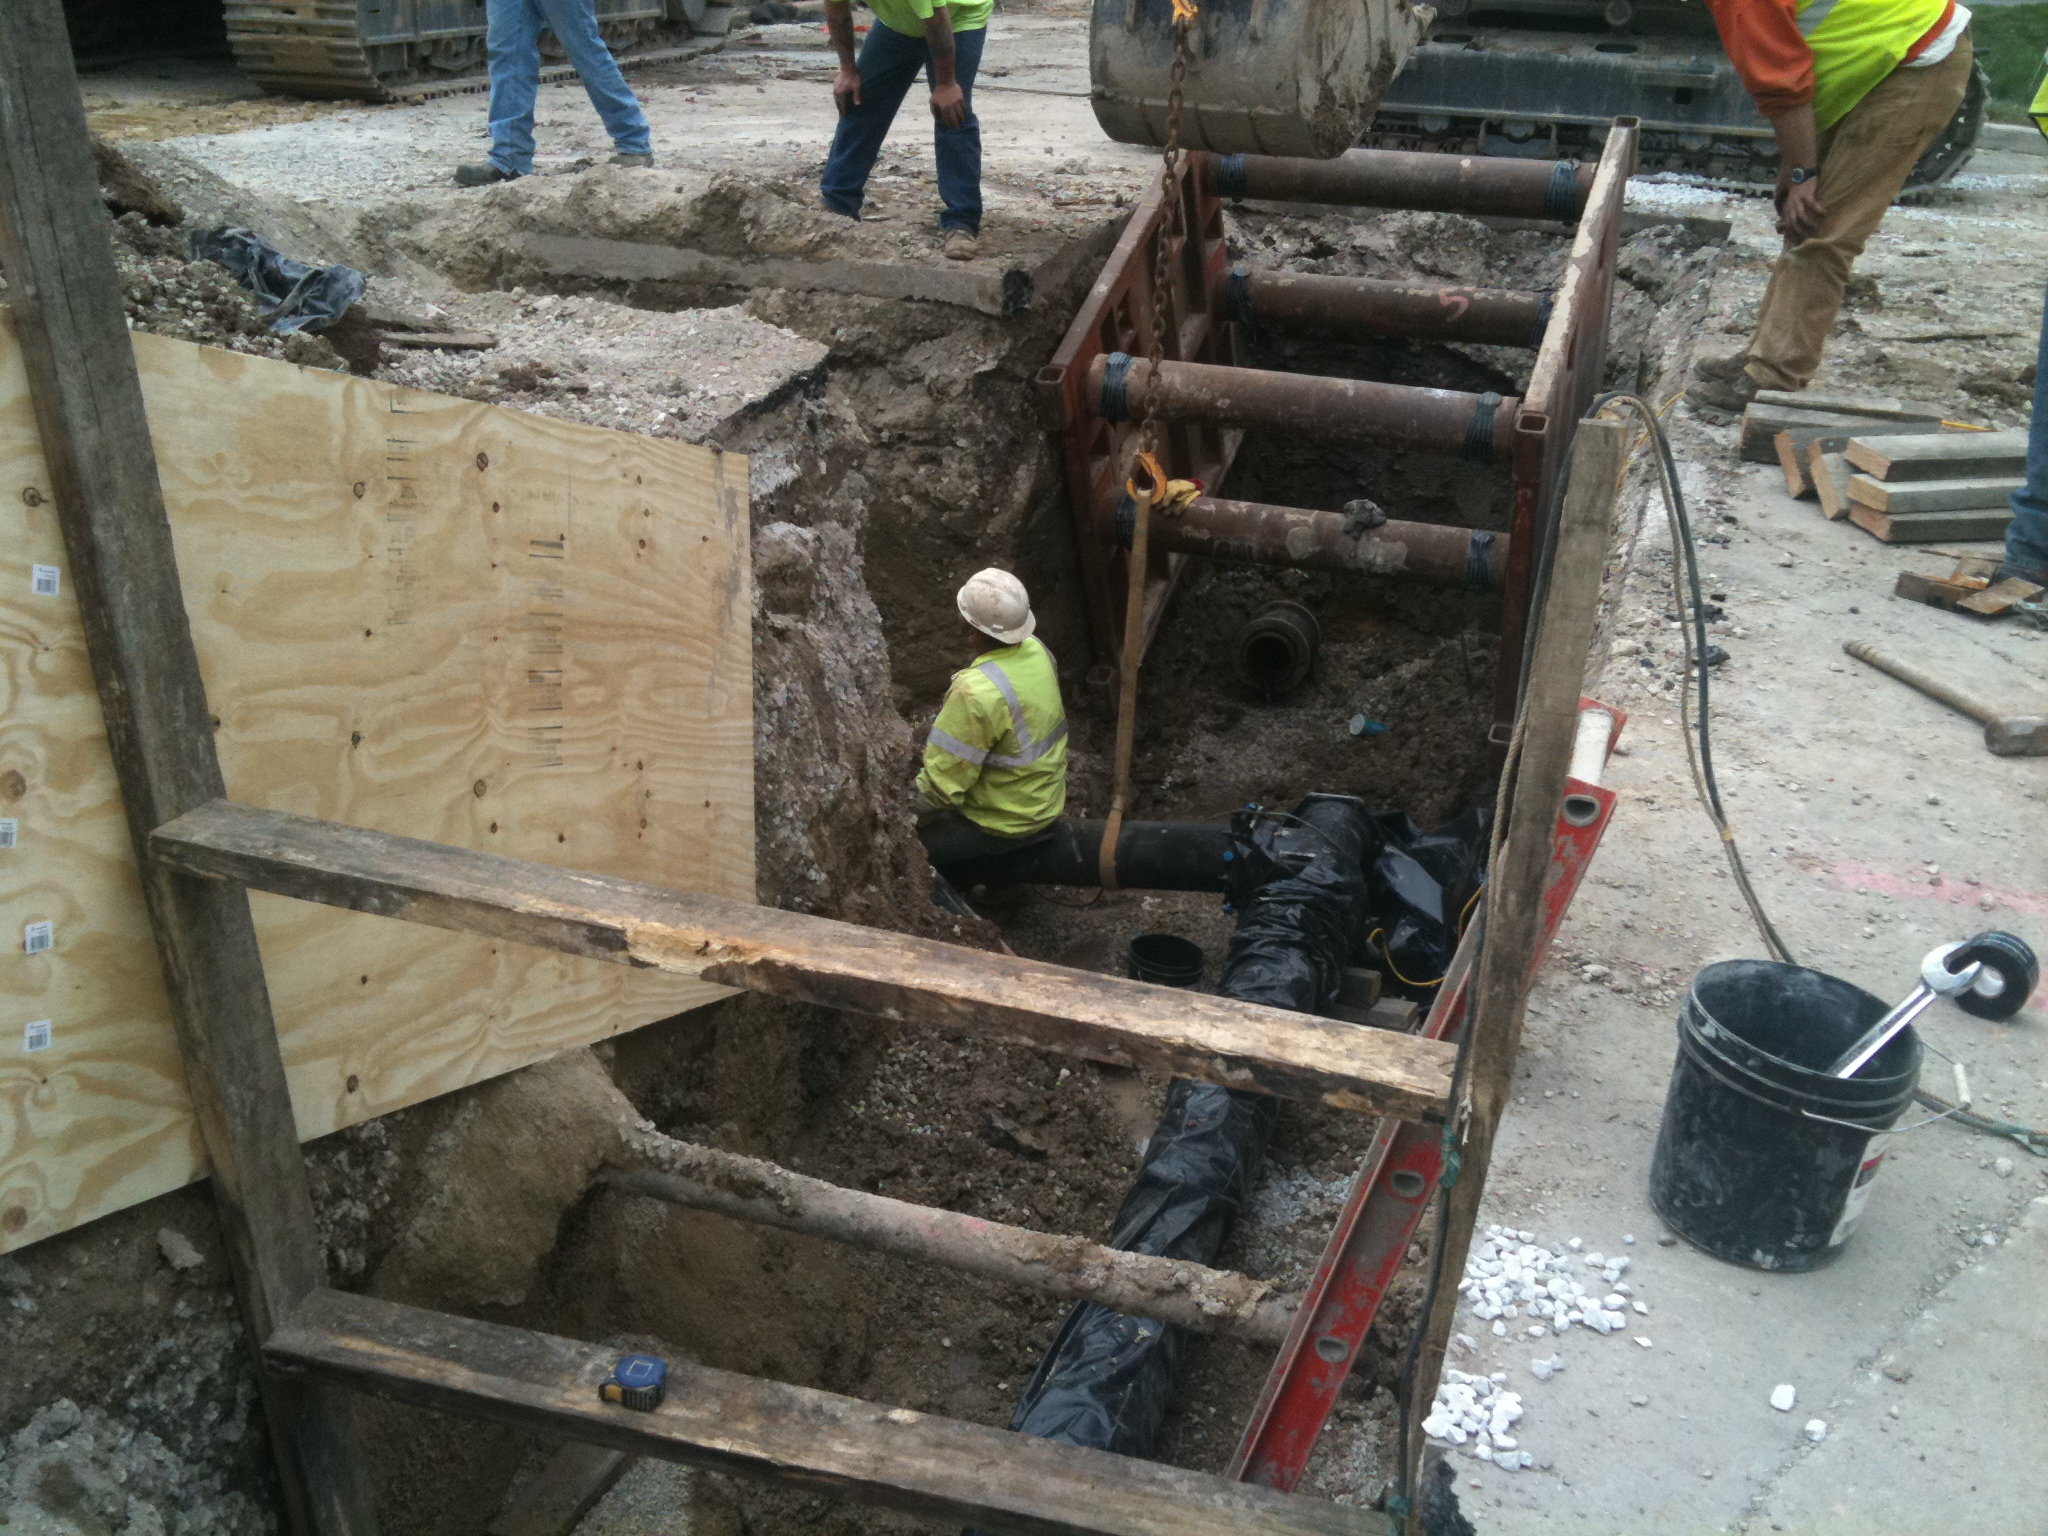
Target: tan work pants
{"x": 1864, "y": 160}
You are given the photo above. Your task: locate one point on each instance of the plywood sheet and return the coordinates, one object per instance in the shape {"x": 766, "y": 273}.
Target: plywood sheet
{"x": 414, "y": 613}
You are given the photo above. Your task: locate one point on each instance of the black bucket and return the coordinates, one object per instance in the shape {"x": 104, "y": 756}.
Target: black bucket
{"x": 1165, "y": 958}
{"x": 1763, "y": 1159}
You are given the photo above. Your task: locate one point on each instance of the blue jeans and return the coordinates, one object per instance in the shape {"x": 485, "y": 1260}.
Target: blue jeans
{"x": 2026, "y": 536}
{"x": 512, "y": 33}
{"x": 888, "y": 63}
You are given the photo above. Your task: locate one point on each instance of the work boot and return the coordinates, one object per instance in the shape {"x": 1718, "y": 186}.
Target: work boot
{"x": 960, "y": 245}
{"x": 634, "y": 162}
{"x": 2007, "y": 571}
{"x": 1724, "y": 367}
{"x": 481, "y": 173}
{"x": 1724, "y": 394}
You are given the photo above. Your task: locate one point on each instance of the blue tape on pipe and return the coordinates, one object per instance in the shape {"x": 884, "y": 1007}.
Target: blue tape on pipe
{"x": 1116, "y": 405}
{"x": 1478, "y": 562}
{"x": 1230, "y": 176}
{"x": 1561, "y": 197}
{"x": 1237, "y": 297}
{"x": 1479, "y": 435}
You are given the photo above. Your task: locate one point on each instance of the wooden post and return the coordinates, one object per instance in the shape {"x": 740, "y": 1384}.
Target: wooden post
{"x": 1548, "y": 725}
{"x": 88, "y": 403}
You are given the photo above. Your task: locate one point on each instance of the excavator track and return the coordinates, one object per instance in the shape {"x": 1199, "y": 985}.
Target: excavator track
{"x": 1551, "y": 95}
{"x": 360, "y": 49}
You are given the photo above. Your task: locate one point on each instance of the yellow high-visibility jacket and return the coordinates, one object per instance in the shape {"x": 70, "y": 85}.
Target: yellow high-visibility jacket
{"x": 998, "y": 751}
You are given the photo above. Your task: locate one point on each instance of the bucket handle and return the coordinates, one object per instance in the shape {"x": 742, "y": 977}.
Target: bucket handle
{"x": 1755, "y": 1097}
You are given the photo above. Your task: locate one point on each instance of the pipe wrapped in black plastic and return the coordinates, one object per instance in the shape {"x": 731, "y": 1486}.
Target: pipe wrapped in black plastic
{"x": 1108, "y": 1377}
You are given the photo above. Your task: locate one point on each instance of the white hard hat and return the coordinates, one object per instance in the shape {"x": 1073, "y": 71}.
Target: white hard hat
{"x": 996, "y": 603}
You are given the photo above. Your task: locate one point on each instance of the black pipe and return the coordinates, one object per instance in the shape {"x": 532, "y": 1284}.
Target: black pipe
{"x": 1150, "y": 856}
{"x": 1108, "y": 1377}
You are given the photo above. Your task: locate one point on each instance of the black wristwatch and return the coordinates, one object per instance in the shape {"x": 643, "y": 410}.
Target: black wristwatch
{"x": 1803, "y": 173}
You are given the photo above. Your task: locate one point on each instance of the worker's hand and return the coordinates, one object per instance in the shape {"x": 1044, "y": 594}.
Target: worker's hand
{"x": 846, "y": 89}
{"x": 1800, "y": 211}
{"x": 949, "y": 104}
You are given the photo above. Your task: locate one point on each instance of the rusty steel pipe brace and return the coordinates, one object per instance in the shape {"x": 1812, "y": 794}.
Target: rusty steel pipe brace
{"x": 1392, "y": 415}
{"x": 1254, "y": 533}
{"x": 1408, "y": 179}
{"x": 1370, "y": 306}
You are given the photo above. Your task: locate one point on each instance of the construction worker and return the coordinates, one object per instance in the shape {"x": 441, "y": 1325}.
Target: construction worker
{"x": 995, "y": 765}
{"x": 2026, "y": 536}
{"x": 1857, "y": 90}
{"x": 512, "y": 30}
{"x": 943, "y": 38}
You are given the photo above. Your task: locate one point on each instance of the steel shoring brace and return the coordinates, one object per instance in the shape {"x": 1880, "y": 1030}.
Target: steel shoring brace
{"x": 1400, "y": 1172}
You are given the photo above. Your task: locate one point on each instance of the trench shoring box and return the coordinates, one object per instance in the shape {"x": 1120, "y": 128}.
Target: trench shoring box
{"x": 413, "y": 613}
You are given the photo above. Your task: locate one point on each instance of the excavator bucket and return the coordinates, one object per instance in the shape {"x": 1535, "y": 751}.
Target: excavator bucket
{"x": 1265, "y": 77}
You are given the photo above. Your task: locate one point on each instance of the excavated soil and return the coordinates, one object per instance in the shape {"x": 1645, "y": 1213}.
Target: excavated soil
{"x": 894, "y": 448}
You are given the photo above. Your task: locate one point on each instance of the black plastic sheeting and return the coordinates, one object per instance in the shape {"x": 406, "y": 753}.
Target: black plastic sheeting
{"x": 1420, "y": 884}
{"x": 1305, "y": 886}
{"x": 291, "y": 295}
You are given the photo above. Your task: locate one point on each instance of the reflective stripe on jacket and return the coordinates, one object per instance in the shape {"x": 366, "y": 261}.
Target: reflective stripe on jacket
{"x": 1826, "y": 52}
{"x": 998, "y": 751}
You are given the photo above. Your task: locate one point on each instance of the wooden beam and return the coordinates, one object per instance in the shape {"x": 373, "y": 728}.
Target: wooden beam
{"x": 939, "y": 1468}
{"x": 1930, "y": 527}
{"x": 1548, "y": 726}
{"x": 1192, "y": 1295}
{"x": 815, "y": 960}
{"x": 1898, "y": 497}
{"x": 1940, "y": 455}
{"x": 88, "y": 404}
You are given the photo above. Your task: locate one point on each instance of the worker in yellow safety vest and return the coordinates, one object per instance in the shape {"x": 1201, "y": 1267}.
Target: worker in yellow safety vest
{"x": 1858, "y": 90}
{"x": 995, "y": 765}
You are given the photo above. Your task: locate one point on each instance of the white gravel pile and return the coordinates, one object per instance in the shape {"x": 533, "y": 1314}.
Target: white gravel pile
{"x": 1479, "y": 1411}
{"x": 1520, "y": 1286}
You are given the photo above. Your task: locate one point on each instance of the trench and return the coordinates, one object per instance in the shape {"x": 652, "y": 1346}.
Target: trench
{"x": 911, "y": 457}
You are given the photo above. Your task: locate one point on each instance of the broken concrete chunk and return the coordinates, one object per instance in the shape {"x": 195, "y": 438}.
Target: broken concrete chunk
{"x": 1783, "y": 1396}
{"x": 177, "y": 1249}
{"x": 1816, "y": 1430}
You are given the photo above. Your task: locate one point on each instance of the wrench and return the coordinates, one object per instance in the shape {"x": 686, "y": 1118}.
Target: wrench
{"x": 1936, "y": 980}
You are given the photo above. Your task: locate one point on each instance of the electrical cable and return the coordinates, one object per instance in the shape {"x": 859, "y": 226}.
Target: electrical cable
{"x": 1686, "y": 589}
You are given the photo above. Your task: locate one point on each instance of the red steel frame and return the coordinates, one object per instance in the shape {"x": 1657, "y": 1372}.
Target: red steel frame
{"x": 1116, "y": 317}
{"x": 1389, "y": 1195}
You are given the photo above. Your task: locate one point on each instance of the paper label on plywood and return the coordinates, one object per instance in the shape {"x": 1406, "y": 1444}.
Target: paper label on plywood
{"x": 36, "y": 1036}
{"x": 420, "y": 614}
{"x": 9, "y": 831}
{"x": 44, "y": 580}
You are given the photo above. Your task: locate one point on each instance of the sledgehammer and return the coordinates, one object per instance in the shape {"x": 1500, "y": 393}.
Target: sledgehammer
{"x": 2008, "y": 735}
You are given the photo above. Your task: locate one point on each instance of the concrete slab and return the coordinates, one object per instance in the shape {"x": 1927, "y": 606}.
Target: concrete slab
{"x": 1956, "y": 1404}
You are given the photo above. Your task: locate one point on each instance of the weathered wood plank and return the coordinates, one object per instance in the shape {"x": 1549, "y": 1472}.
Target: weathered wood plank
{"x": 1927, "y": 527}
{"x": 1548, "y": 727}
{"x": 1878, "y": 408}
{"x": 1194, "y": 1296}
{"x": 813, "y": 959}
{"x": 1798, "y": 474}
{"x": 940, "y": 1468}
{"x": 1899, "y": 496}
{"x": 1761, "y": 426}
{"x": 109, "y": 504}
{"x": 1940, "y": 455}
{"x": 1831, "y": 477}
